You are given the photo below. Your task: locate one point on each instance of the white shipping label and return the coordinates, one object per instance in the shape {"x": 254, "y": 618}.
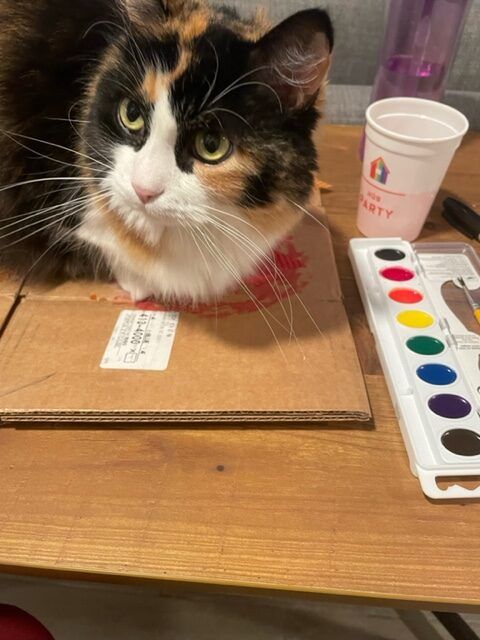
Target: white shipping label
{"x": 142, "y": 340}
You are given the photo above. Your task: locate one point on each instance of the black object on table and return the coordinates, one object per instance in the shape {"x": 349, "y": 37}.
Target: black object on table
{"x": 462, "y": 217}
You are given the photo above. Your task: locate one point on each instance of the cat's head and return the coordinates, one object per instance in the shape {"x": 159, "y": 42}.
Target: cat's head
{"x": 198, "y": 113}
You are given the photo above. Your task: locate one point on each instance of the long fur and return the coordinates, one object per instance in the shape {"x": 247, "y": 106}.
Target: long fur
{"x": 70, "y": 174}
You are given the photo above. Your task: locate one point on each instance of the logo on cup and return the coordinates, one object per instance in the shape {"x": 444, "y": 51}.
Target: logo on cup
{"x": 379, "y": 171}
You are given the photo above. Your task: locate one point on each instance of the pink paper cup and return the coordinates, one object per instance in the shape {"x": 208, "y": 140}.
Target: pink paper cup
{"x": 409, "y": 145}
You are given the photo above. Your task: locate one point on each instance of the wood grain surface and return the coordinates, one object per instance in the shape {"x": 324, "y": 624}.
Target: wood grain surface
{"x": 328, "y": 510}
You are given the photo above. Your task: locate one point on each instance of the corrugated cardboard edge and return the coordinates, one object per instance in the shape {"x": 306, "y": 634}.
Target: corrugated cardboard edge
{"x": 198, "y": 417}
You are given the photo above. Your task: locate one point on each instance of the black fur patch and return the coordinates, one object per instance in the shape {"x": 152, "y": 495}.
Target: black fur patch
{"x": 249, "y": 114}
{"x": 164, "y": 52}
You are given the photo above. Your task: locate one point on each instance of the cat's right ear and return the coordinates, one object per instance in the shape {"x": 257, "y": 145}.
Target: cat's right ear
{"x": 294, "y": 58}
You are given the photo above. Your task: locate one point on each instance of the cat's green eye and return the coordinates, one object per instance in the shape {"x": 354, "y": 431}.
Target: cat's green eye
{"x": 130, "y": 115}
{"x": 212, "y": 147}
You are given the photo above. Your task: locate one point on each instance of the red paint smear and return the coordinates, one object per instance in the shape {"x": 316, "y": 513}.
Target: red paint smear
{"x": 266, "y": 286}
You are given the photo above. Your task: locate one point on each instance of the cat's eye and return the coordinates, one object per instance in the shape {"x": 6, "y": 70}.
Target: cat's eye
{"x": 130, "y": 115}
{"x": 212, "y": 147}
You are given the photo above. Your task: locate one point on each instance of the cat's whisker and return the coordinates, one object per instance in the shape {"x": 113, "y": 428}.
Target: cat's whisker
{"x": 286, "y": 284}
{"x": 301, "y": 302}
{"x": 230, "y": 86}
{"x": 23, "y": 217}
{"x": 57, "y": 191}
{"x": 220, "y": 124}
{"x": 70, "y": 120}
{"x": 98, "y": 23}
{"x": 215, "y": 77}
{"x": 33, "y": 173}
{"x": 128, "y": 32}
{"x": 243, "y": 222}
{"x": 123, "y": 30}
{"x": 73, "y": 123}
{"x": 82, "y": 138}
{"x": 57, "y": 146}
{"x": 141, "y": 61}
{"x": 251, "y": 249}
{"x": 233, "y": 113}
{"x": 57, "y": 217}
{"x": 47, "y": 172}
{"x": 192, "y": 229}
{"x": 129, "y": 77}
{"x": 45, "y": 157}
{"x": 38, "y": 180}
{"x": 290, "y": 289}
{"x": 260, "y": 84}
{"x": 310, "y": 215}
{"x": 56, "y": 242}
{"x": 249, "y": 292}
{"x": 223, "y": 261}
{"x": 85, "y": 142}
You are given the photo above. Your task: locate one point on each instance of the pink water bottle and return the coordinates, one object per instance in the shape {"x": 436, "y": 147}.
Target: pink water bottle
{"x": 420, "y": 44}
{"x": 419, "y": 47}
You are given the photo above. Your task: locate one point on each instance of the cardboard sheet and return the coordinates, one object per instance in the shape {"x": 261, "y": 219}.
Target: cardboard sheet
{"x": 6, "y": 303}
{"x": 229, "y": 363}
{"x": 8, "y": 294}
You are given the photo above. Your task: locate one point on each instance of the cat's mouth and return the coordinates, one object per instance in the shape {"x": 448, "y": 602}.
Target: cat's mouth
{"x": 134, "y": 212}
{"x": 165, "y": 211}
{"x": 162, "y": 216}
{"x": 150, "y": 219}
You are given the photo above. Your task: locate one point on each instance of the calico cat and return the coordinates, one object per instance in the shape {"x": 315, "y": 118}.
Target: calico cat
{"x": 166, "y": 143}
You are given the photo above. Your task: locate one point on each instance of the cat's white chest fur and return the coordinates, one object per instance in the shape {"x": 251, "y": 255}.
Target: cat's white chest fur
{"x": 183, "y": 263}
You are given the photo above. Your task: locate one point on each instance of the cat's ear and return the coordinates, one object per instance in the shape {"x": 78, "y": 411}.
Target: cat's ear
{"x": 294, "y": 57}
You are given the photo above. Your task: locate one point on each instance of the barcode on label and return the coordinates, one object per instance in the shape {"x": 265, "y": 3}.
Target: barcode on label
{"x": 142, "y": 340}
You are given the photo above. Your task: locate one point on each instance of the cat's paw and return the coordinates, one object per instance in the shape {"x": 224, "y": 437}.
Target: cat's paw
{"x": 135, "y": 290}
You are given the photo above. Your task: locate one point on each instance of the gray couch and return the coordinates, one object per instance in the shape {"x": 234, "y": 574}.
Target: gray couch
{"x": 359, "y": 27}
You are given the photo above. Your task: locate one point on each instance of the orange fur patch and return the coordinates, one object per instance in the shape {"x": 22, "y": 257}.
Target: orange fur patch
{"x": 152, "y": 85}
{"x": 143, "y": 254}
{"x": 136, "y": 248}
{"x": 253, "y": 30}
{"x": 182, "y": 66}
{"x": 156, "y": 81}
{"x": 228, "y": 179}
{"x": 279, "y": 218}
{"x": 191, "y": 26}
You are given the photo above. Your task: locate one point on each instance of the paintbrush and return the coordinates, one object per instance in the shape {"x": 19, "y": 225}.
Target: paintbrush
{"x": 475, "y": 306}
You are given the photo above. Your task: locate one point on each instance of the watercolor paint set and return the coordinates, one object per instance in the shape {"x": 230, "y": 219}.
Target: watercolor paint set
{"x": 423, "y": 306}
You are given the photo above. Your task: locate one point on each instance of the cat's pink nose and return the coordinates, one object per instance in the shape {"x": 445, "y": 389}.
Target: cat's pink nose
{"x": 146, "y": 195}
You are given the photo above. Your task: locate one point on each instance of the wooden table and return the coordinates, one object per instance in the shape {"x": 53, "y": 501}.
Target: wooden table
{"x": 328, "y": 511}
